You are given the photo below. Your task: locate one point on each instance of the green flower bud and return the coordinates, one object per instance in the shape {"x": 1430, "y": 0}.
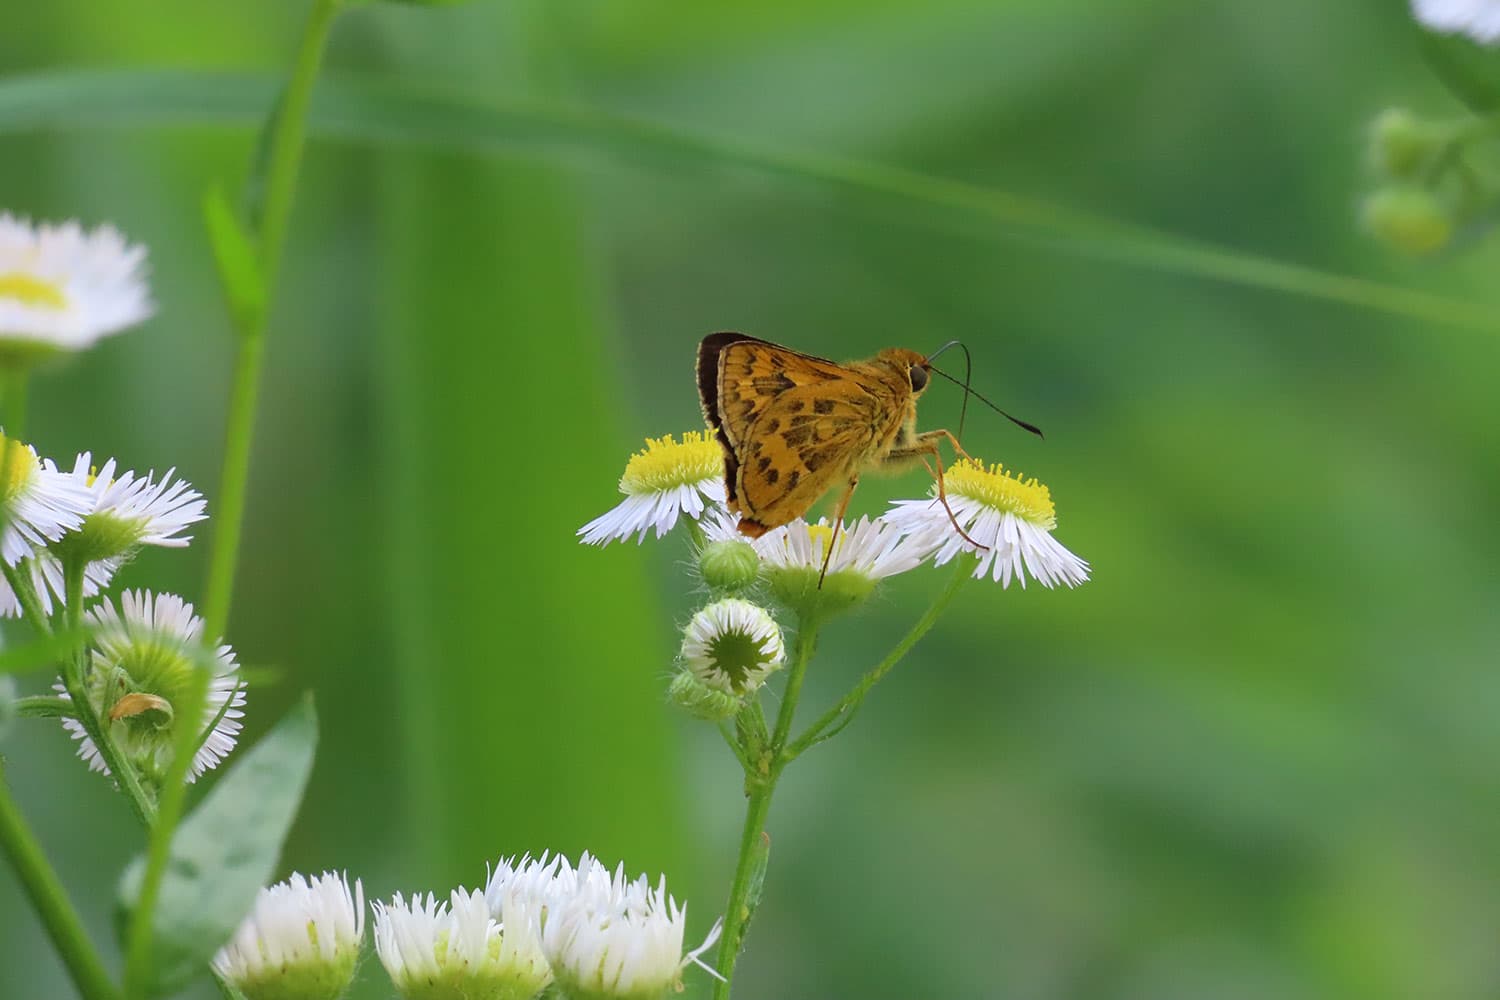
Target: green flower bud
{"x": 701, "y": 701}
{"x": 1408, "y": 218}
{"x": 1401, "y": 144}
{"x": 732, "y": 566}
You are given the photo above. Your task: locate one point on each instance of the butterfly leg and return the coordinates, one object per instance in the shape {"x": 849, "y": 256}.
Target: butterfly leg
{"x": 926, "y": 448}
{"x": 838, "y": 524}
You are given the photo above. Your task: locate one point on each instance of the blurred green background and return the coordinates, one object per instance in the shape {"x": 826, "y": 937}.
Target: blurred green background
{"x": 1255, "y": 757}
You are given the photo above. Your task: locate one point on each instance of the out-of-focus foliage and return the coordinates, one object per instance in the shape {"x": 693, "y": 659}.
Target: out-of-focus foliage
{"x": 1255, "y": 757}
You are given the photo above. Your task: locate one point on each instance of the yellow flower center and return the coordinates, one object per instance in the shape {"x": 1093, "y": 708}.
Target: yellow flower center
{"x": 18, "y": 463}
{"x": 820, "y": 534}
{"x": 32, "y": 291}
{"x": 665, "y": 464}
{"x": 1003, "y": 491}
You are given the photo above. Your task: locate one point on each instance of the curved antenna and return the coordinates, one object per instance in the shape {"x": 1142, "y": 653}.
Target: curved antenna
{"x": 963, "y": 408}
{"x": 968, "y": 391}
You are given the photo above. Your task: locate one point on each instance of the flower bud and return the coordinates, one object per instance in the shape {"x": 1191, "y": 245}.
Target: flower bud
{"x": 1401, "y": 144}
{"x": 701, "y": 701}
{"x": 731, "y": 566}
{"x": 1408, "y": 218}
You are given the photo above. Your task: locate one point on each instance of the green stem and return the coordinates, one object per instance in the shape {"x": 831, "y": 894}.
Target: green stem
{"x": 26, "y": 596}
{"x": 760, "y": 784}
{"x": 802, "y": 649}
{"x": 74, "y": 669}
{"x": 47, "y": 896}
{"x": 169, "y": 812}
{"x": 737, "y": 913}
{"x": 44, "y": 706}
{"x": 843, "y": 712}
{"x": 233, "y": 483}
{"x": 288, "y": 136}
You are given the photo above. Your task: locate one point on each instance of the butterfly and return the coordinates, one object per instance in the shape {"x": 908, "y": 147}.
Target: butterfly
{"x": 794, "y": 426}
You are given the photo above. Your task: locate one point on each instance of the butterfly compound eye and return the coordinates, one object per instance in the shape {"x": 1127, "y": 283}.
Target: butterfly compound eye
{"x": 918, "y": 375}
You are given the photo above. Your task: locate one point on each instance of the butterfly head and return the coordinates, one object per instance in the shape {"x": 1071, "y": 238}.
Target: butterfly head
{"x": 910, "y": 365}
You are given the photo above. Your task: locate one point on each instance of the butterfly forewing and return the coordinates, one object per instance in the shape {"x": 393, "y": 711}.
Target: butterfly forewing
{"x": 793, "y": 425}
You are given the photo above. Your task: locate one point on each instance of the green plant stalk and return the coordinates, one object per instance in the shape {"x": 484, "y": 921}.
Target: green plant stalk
{"x": 283, "y": 162}
{"x": 31, "y": 608}
{"x": 844, "y": 711}
{"x": 284, "y": 159}
{"x": 189, "y": 715}
{"x": 760, "y": 783}
{"x": 51, "y": 902}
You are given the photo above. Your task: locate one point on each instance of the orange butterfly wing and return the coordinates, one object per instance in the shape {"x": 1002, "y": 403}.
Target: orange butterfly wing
{"x": 791, "y": 425}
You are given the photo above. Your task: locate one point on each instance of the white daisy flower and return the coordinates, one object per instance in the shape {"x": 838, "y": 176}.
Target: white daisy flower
{"x": 609, "y": 939}
{"x": 142, "y": 662}
{"x": 61, "y": 288}
{"x": 661, "y": 483}
{"x": 301, "y": 939}
{"x": 1479, "y": 19}
{"x": 127, "y": 511}
{"x": 41, "y": 504}
{"x": 1013, "y": 518}
{"x": 439, "y": 951}
{"x": 873, "y": 549}
{"x": 733, "y": 646}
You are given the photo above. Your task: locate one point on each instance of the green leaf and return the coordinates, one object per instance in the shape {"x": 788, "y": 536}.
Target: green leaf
{"x": 234, "y": 255}
{"x": 225, "y": 851}
{"x": 1470, "y": 70}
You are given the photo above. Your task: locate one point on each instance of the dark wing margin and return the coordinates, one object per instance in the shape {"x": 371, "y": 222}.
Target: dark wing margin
{"x": 709, "y": 349}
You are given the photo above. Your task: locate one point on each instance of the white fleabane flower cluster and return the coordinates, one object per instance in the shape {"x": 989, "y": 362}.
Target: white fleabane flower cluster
{"x": 538, "y": 923}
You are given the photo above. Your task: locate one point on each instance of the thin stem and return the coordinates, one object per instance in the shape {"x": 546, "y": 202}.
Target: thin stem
{"x": 843, "y": 712}
{"x": 233, "y": 483}
{"x": 169, "y": 813}
{"x": 51, "y": 903}
{"x": 724, "y": 730}
{"x": 44, "y": 706}
{"x": 802, "y": 649}
{"x": 287, "y": 138}
{"x": 737, "y": 913}
{"x": 760, "y": 785}
{"x": 26, "y": 596}
{"x": 74, "y": 668}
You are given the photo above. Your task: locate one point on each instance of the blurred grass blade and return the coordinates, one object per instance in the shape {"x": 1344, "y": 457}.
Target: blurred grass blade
{"x": 235, "y": 257}
{"x": 225, "y": 851}
{"x": 382, "y": 112}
